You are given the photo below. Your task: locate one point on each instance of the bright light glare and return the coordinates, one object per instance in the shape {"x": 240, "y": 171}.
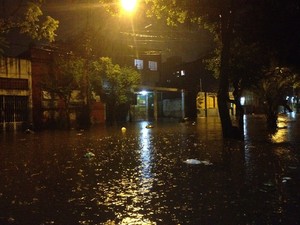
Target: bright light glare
{"x": 128, "y": 5}
{"x": 144, "y": 93}
{"x": 242, "y": 100}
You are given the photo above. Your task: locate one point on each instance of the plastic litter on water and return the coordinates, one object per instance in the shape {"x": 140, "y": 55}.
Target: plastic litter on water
{"x": 197, "y": 162}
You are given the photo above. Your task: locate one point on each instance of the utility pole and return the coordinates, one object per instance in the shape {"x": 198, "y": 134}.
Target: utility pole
{"x": 85, "y": 120}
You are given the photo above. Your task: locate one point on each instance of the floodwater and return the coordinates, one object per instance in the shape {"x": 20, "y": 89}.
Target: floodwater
{"x": 171, "y": 173}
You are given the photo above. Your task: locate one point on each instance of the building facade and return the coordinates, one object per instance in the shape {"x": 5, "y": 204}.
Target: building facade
{"x": 15, "y": 93}
{"x": 153, "y": 100}
{"x": 48, "y": 108}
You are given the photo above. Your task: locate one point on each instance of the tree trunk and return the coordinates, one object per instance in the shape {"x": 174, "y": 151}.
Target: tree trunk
{"x": 272, "y": 115}
{"x": 237, "y": 93}
{"x": 227, "y": 21}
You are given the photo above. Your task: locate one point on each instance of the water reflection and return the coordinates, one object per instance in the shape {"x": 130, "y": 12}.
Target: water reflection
{"x": 146, "y": 153}
{"x": 140, "y": 177}
{"x": 279, "y": 136}
{"x": 129, "y": 196}
{"x": 140, "y": 192}
{"x": 283, "y": 132}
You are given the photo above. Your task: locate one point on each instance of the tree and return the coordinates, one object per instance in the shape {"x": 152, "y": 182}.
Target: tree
{"x": 61, "y": 84}
{"x": 118, "y": 83}
{"x": 264, "y": 51}
{"x": 272, "y": 90}
{"x": 270, "y": 28}
{"x": 217, "y": 17}
{"x": 247, "y": 62}
{"x": 27, "y": 18}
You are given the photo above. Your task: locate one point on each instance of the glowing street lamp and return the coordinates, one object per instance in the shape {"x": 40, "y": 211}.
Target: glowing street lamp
{"x": 128, "y": 5}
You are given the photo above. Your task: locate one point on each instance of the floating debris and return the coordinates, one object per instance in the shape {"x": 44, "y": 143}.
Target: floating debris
{"x": 89, "y": 155}
{"x": 206, "y": 163}
{"x": 11, "y": 220}
{"x": 28, "y": 131}
{"x": 192, "y": 161}
{"x": 149, "y": 126}
{"x": 268, "y": 184}
{"x": 123, "y": 129}
{"x": 183, "y": 120}
{"x": 198, "y": 162}
{"x": 285, "y": 179}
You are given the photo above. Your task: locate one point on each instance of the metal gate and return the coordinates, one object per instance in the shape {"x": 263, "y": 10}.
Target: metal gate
{"x": 14, "y": 111}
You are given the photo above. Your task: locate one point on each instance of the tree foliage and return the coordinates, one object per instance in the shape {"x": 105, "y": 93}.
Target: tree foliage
{"x": 61, "y": 84}
{"x": 272, "y": 90}
{"x": 118, "y": 83}
{"x": 216, "y": 16}
{"x": 27, "y": 18}
{"x": 248, "y": 36}
{"x": 67, "y": 74}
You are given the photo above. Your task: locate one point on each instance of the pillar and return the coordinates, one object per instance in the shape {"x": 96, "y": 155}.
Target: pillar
{"x": 155, "y": 104}
{"x": 182, "y": 103}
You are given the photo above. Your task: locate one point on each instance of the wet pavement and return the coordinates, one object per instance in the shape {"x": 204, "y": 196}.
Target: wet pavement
{"x": 171, "y": 173}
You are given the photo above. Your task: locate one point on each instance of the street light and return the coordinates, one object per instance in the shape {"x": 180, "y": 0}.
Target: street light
{"x": 128, "y": 5}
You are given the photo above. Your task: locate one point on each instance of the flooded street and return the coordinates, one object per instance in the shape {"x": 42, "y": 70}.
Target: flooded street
{"x": 171, "y": 173}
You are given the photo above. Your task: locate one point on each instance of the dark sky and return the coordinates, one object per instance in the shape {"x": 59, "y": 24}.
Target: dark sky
{"x": 148, "y": 33}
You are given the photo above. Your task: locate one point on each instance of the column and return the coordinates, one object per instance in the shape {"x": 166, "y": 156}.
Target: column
{"x": 182, "y": 104}
{"x": 155, "y": 104}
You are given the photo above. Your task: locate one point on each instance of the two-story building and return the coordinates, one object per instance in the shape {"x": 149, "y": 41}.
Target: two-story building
{"x": 46, "y": 107}
{"x": 15, "y": 93}
{"x": 200, "y": 86}
{"x": 152, "y": 98}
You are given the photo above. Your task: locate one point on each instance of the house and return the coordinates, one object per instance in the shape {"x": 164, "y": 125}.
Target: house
{"x": 199, "y": 85}
{"x": 149, "y": 64}
{"x": 46, "y": 107}
{"x": 15, "y": 93}
{"x": 152, "y": 98}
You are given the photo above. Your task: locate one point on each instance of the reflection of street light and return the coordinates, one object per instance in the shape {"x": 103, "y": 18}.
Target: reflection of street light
{"x": 128, "y": 5}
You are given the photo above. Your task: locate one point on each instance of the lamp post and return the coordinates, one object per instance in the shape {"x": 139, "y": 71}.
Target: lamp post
{"x": 129, "y": 5}
{"x": 85, "y": 115}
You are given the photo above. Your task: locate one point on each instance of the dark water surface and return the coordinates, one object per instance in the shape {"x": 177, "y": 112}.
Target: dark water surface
{"x": 104, "y": 176}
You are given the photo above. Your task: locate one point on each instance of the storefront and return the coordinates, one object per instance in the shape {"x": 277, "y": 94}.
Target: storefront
{"x": 157, "y": 102}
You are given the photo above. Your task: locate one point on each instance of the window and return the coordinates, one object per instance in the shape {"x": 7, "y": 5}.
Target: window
{"x": 13, "y": 83}
{"x": 152, "y": 66}
{"x": 138, "y": 63}
{"x": 180, "y": 73}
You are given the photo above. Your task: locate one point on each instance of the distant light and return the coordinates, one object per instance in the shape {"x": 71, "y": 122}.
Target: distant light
{"x": 293, "y": 115}
{"x": 143, "y": 92}
{"x": 243, "y": 100}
